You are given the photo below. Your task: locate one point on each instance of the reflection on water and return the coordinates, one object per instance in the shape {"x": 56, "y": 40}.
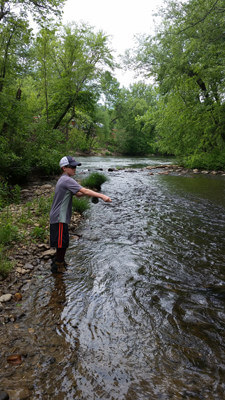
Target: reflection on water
{"x": 140, "y": 313}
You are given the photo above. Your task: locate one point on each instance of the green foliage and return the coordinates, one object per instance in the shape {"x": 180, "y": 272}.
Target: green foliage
{"x": 9, "y": 194}
{"x": 134, "y": 134}
{"x": 80, "y": 205}
{"x": 38, "y": 233}
{"x": 43, "y": 205}
{"x": 5, "y": 265}
{"x": 186, "y": 58}
{"x": 94, "y": 181}
{"x": 208, "y": 161}
{"x": 8, "y": 233}
{"x": 41, "y": 91}
{"x": 78, "y": 141}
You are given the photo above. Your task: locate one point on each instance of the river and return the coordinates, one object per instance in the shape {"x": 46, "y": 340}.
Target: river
{"x": 140, "y": 312}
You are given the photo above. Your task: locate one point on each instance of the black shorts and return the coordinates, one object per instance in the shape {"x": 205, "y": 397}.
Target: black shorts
{"x": 59, "y": 235}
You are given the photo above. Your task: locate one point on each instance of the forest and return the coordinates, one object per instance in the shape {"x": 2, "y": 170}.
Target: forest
{"x": 59, "y": 95}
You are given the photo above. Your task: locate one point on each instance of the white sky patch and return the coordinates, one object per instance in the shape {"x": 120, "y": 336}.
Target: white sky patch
{"x": 119, "y": 19}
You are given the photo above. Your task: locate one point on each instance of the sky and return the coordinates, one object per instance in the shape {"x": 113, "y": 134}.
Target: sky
{"x": 119, "y": 19}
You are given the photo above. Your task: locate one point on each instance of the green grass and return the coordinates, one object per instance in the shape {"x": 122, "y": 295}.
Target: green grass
{"x": 8, "y": 233}
{"x": 5, "y": 265}
{"x": 9, "y": 194}
{"x": 94, "y": 181}
{"x": 81, "y": 204}
{"x": 39, "y": 233}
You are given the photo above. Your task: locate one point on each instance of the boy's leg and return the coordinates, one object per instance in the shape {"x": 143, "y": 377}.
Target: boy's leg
{"x": 59, "y": 238}
{"x": 60, "y": 255}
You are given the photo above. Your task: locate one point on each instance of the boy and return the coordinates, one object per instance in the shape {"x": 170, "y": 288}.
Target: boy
{"x": 61, "y": 209}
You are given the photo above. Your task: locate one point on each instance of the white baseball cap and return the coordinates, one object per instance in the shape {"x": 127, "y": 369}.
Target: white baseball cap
{"x": 68, "y": 160}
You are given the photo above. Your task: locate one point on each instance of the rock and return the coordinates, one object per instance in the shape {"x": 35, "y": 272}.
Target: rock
{"x": 5, "y": 297}
{"x": 4, "y": 395}
{"x": 75, "y": 237}
{"x": 21, "y": 271}
{"x": 46, "y": 187}
{"x": 28, "y": 266}
{"x": 48, "y": 253}
{"x": 14, "y": 359}
{"x": 20, "y": 394}
{"x": 205, "y": 172}
{"x": 213, "y": 172}
{"x": 43, "y": 246}
{"x": 195, "y": 171}
{"x": 25, "y": 191}
{"x": 18, "y": 296}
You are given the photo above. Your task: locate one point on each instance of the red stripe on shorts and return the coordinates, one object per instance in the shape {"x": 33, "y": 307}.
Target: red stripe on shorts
{"x": 60, "y": 235}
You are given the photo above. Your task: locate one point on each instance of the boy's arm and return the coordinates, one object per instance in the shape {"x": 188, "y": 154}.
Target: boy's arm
{"x": 92, "y": 193}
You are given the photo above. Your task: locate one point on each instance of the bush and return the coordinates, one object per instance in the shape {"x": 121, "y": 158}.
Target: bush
{"x": 80, "y": 205}
{"x": 94, "y": 181}
{"x": 8, "y": 233}
{"x": 212, "y": 161}
{"x": 9, "y": 194}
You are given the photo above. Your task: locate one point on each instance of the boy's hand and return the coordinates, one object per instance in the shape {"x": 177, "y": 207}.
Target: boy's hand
{"x": 106, "y": 198}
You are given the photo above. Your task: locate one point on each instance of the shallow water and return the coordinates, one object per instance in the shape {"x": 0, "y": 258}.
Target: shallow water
{"x": 140, "y": 313}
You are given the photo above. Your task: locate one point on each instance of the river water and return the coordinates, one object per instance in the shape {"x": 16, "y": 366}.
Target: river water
{"x": 140, "y": 312}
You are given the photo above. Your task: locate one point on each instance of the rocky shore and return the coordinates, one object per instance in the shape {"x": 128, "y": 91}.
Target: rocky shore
{"x": 169, "y": 168}
{"x": 29, "y": 255}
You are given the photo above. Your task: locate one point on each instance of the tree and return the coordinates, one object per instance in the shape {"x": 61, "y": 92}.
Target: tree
{"x": 39, "y": 9}
{"x": 186, "y": 58}
{"x": 134, "y": 136}
{"x": 73, "y": 63}
{"x": 15, "y": 67}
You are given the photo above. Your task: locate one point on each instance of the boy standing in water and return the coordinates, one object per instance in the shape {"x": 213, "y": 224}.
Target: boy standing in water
{"x": 61, "y": 209}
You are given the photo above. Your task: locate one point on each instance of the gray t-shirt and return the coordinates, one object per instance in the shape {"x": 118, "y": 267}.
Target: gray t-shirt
{"x": 61, "y": 210}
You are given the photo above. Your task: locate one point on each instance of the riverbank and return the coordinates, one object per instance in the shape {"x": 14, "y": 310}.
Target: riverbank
{"x": 29, "y": 249}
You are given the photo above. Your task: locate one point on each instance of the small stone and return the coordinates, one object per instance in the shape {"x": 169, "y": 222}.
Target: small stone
{"x": 205, "y": 172}
{"x": 47, "y": 186}
{"x": 48, "y": 253}
{"x": 28, "y": 266}
{"x": 5, "y": 297}
{"x": 195, "y": 171}
{"x": 14, "y": 359}
{"x": 213, "y": 172}
{"x": 43, "y": 245}
{"x": 75, "y": 237}
{"x": 18, "y": 296}
{"x": 21, "y": 271}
